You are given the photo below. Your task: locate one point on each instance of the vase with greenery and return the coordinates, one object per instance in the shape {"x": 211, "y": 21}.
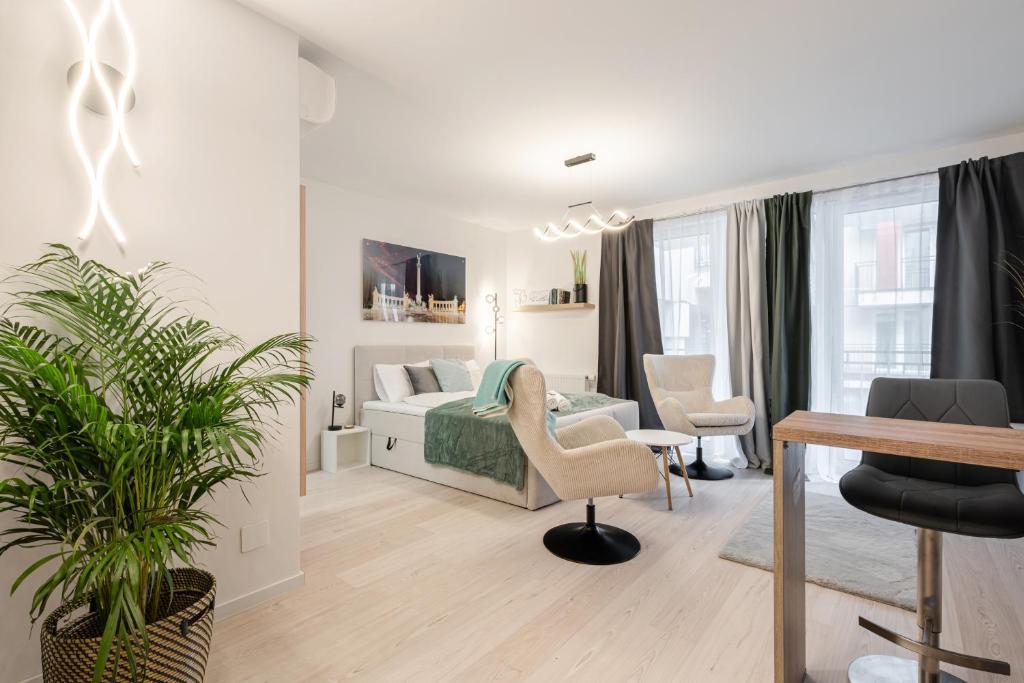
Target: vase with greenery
{"x": 579, "y": 274}
{"x": 120, "y": 414}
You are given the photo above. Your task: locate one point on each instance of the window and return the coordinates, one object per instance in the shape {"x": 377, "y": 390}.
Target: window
{"x": 872, "y": 276}
{"x": 689, "y": 263}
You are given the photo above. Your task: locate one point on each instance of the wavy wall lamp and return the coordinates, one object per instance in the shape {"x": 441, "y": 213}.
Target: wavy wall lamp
{"x": 104, "y": 90}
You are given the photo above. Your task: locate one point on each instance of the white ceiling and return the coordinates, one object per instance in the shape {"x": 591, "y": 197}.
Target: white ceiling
{"x": 471, "y": 105}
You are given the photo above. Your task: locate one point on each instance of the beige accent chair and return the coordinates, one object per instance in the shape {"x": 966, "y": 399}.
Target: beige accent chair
{"x": 589, "y": 459}
{"x": 681, "y": 389}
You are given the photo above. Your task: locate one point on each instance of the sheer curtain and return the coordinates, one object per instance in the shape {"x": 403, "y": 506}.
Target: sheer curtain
{"x": 689, "y": 266}
{"x": 872, "y": 280}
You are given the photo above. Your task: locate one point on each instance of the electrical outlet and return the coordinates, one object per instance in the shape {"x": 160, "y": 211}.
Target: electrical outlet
{"x": 255, "y": 536}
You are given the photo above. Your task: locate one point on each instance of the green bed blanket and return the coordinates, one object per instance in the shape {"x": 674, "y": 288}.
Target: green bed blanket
{"x": 455, "y": 437}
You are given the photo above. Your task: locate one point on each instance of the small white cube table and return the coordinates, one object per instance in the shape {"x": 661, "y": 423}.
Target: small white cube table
{"x": 663, "y": 439}
{"x": 344, "y": 449}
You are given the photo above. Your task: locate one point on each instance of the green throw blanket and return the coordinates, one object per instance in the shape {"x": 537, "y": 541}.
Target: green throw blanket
{"x": 454, "y": 436}
{"x": 492, "y": 396}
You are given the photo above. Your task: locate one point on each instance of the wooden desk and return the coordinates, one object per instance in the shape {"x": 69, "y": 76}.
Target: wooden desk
{"x": 990, "y": 446}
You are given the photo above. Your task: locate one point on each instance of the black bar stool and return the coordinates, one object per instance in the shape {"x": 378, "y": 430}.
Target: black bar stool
{"x": 936, "y": 497}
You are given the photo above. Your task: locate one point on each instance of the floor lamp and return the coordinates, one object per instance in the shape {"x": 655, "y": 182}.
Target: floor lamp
{"x": 499, "y": 319}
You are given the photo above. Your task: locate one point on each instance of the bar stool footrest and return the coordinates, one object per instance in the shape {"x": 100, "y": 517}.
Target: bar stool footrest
{"x": 992, "y": 666}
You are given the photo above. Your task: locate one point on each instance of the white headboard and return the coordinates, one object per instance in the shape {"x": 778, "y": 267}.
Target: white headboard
{"x": 368, "y": 356}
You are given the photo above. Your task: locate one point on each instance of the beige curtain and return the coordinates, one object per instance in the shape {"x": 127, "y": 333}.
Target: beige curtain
{"x": 748, "y": 319}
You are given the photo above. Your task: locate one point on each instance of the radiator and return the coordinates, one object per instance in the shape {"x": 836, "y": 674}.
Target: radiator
{"x": 573, "y": 384}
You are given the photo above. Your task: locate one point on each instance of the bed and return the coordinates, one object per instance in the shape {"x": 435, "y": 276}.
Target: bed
{"x": 397, "y": 429}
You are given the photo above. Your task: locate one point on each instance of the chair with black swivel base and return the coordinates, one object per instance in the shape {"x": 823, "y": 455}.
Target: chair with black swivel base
{"x": 681, "y": 389}
{"x": 586, "y": 460}
{"x": 936, "y": 497}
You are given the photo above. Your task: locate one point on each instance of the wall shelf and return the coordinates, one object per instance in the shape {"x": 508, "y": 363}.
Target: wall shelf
{"x": 541, "y": 308}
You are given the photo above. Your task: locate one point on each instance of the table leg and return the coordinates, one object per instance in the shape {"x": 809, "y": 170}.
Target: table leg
{"x": 686, "y": 477}
{"x": 790, "y": 605}
{"x": 668, "y": 481}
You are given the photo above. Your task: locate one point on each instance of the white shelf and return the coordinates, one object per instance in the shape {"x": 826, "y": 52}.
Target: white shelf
{"x": 543, "y": 308}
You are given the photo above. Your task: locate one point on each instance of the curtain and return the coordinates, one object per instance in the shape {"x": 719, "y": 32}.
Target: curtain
{"x": 747, "y": 318}
{"x": 872, "y": 269}
{"x": 787, "y": 266}
{"x": 628, "y": 325}
{"x": 980, "y": 227}
{"x": 690, "y": 271}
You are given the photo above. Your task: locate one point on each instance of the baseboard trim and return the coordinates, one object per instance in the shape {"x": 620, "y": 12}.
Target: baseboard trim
{"x": 241, "y": 603}
{"x": 232, "y": 607}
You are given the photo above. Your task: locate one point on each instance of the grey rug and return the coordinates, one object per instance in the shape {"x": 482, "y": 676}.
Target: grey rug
{"x": 847, "y": 550}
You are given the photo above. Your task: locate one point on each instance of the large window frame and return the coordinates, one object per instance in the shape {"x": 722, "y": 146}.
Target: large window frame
{"x": 690, "y": 272}
{"x": 872, "y": 284}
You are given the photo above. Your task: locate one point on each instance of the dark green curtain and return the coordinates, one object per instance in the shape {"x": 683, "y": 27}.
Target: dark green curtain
{"x": 787, "y": 267}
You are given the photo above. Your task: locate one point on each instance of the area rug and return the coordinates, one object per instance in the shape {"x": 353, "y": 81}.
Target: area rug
{"x": 847, "y": 550}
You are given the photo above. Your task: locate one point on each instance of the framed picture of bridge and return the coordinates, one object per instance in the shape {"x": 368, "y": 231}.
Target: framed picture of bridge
{"x": 406, "y": 284}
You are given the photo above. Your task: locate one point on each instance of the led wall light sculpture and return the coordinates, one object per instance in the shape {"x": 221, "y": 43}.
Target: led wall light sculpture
{"x": 583, "y": 218}
{"x": 93, "y": 84}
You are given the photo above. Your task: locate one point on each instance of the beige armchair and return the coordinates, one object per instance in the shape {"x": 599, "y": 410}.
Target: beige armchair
{"x": 589, "y": 459}
{"x": 681, "y": 389}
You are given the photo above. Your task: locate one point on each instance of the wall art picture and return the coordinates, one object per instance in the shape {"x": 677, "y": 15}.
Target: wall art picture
{"x": 405, "y": 284}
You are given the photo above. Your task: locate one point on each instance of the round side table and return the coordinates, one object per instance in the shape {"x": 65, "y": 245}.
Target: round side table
{"x": 663, "y": 439}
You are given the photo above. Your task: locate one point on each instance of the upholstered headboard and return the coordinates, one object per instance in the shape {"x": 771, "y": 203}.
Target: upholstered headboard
{"x": 368, "y": 356}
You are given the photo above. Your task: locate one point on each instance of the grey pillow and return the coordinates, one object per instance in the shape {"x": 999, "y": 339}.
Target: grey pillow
{"x": 452, "y": 374}
{"x": 423, "y": 379}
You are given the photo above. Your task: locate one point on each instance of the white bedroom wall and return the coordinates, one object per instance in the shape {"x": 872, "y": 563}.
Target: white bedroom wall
{"x": 216, "y": 127}
{"x": 559, "y": 342}
{"x": 337, "y": 220}
{"x": 567, "y": 342}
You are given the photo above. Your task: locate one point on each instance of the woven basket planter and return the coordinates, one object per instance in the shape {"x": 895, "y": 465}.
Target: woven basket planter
{"x": 179, "y": 642}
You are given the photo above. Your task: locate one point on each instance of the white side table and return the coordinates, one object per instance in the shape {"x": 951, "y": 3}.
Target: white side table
{"x": 344, "y": 449}
{"x": 660, "y": 438}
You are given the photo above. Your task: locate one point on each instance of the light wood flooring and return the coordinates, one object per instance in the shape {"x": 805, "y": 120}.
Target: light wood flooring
{"x": 412, "y": 581}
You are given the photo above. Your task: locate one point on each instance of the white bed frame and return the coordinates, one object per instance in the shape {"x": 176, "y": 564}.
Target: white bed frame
{"x": 397, "y": 439}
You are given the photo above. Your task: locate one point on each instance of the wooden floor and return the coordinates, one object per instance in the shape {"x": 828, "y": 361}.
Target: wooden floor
{"x": 412, "y": 581}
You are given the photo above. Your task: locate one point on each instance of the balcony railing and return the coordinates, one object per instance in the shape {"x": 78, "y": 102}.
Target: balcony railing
{"x": 862, "y": 361}
{"x": 913, "y": 273}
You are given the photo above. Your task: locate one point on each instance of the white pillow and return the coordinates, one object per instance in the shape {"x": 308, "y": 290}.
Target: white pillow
{"x": 391, "y": 382}
{"x": 436, "y": 398}
{"x": 476, "y": 375}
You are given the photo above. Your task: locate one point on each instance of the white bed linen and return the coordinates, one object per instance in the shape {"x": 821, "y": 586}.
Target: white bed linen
{"x": 624, "y": 413}
{"x": 401, "y": 408}
{"x": 432, "y": 399}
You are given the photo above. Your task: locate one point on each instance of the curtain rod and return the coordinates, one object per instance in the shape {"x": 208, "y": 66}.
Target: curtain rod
{"x": 722, "y": 207}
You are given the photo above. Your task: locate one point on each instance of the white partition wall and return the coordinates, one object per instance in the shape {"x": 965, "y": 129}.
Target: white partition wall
{"x": 216, "y": 126}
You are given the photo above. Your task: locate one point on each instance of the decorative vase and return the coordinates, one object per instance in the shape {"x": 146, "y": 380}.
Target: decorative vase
{"x": 179, "y": 641}
{"x": 581, "y": 293}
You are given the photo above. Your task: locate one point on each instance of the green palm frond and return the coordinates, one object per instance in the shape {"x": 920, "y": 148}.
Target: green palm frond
{"x": 122, "y": 413}
{"x": 1014, "y": 268}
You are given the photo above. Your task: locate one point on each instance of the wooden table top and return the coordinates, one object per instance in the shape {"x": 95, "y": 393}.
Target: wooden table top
{"x": 969, "y": 444}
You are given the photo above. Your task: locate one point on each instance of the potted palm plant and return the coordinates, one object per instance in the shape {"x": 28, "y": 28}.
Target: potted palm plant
{"x": 120, "y": 413}
{"x": 579, "y": 274}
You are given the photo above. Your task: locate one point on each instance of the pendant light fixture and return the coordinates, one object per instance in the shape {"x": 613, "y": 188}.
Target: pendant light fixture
{"x": 583, "y": 218}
